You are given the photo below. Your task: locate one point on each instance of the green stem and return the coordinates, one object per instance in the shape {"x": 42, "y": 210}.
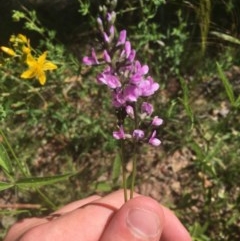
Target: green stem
{"x": 46, "y": 199}
{"x": 123, "y": 171}
{"x": 134, "y": 171}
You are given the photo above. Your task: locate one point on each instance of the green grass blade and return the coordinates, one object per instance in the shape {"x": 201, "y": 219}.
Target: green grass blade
{"x": 227, "y": 85}
{"x": 185, "y": 100}
{"x": 5, "y": 185}
{"x": 33, "y": 182}
{"x": 5, "y": 162}
{"x": 226, "y": 37}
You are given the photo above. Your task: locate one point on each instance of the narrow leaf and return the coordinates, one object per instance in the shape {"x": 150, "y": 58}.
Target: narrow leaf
{"x": 185, "y": 100}
{"x": 5, "y": 162}
{"x": 5, "y": 185}
{"x": 30, "y": 182}
{"x": 227, "y": 84}
{"x": 226, "y": 37}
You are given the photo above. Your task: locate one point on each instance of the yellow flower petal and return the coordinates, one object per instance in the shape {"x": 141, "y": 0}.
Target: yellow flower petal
{"x": 30, "y": 60}
{"x": 42, "y": 78}
{"x": 26, "y": 50}
{"x": 42, "y": 58}
{"x": 28, "y": 74}
{"x": 22, "y": 38}
{"x": 8, "y": 51}
{"x": 49, "y": 66}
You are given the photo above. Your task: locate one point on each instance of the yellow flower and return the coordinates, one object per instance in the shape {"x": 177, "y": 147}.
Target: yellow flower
{"x": 37, "y": 68}
{"x": 26, "y": 50}
{"x": 8, "y": 51}
{"x": 22, "y": 38}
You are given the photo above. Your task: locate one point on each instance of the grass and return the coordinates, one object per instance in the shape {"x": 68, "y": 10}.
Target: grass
{"x": 56, "y": 142}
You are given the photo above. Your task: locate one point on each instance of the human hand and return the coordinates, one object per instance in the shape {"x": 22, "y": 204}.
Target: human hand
{"x": 103, "y": 219}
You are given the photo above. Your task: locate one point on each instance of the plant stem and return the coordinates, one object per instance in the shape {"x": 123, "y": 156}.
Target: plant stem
{"x": 124, "y": 181}
{"x": 19, "y": 164}
{"x": 134, "y": 171}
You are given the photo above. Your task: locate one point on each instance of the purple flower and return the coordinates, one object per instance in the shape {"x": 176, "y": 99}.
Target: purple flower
{"x": 148, "y": 87}
{"x": 91, "y": 60}
{"x": 122, "y": 38}
{"x": 106, "y": 37}
{"x": 118, "y": 99}
{"x": 153, "y": 140}
{"x": 126, "y": 51}
{"x": 147, "y": 108}
{"x": 131, "y": 56}
{"x": 138, "y": 134}
{"x": 109, "y": 79}
{"x": 119, "y": 134}
{"x": 106, "y": 56}
{"x": 138, "y": 73}
{"x": 131, "y": 93}
{"x": 130, "y": 111}
{"x": 157, "y": 121}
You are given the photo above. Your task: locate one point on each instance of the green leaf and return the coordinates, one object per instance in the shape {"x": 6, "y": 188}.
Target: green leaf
{"x": 30, "y": 182}
{"x": 5, "y": 162}
{"x": 5, "y": 185}
{"x": 237, "y": 102}
{"x": 185, "y": 100}
{"x": 227, "y": 84}
{"x": 226, "y": 37}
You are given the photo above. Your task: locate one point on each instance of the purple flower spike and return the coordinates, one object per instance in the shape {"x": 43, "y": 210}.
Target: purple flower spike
{"x": 147, "y": 108}
{"x": 119, "y": 134}
{"x": 122, "y": 38}
{"x": 91, "y": 60}
{"x": 154, "y": 141}
{"x": 157, "y": 121}
{"x": 138, "y": 134}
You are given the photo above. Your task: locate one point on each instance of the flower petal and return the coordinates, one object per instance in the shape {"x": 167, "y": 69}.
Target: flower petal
{"x": 28, "y": 74}
{"x": 49, "y": 66}
{"x": 42, "y": 78}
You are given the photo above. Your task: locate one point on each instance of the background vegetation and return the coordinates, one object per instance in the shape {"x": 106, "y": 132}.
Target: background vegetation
{"x": 56, "y": 141}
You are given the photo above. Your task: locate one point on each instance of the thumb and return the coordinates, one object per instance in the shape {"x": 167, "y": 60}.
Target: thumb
{"x": 140, "y": 219}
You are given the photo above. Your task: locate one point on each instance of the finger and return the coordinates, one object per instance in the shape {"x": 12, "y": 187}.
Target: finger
{"x": 173, "y": 229}
{"x": 140, "y": 219}
{"x": 19, "y": 228}
{"x": 86, "y": 223}
{"x": 77, "y": 204}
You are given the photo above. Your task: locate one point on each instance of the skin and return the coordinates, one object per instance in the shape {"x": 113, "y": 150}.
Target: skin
{"x": 105, "y": 218}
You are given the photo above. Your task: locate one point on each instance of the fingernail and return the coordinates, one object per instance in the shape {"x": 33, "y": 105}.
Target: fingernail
{"x": 143, "y": 223}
